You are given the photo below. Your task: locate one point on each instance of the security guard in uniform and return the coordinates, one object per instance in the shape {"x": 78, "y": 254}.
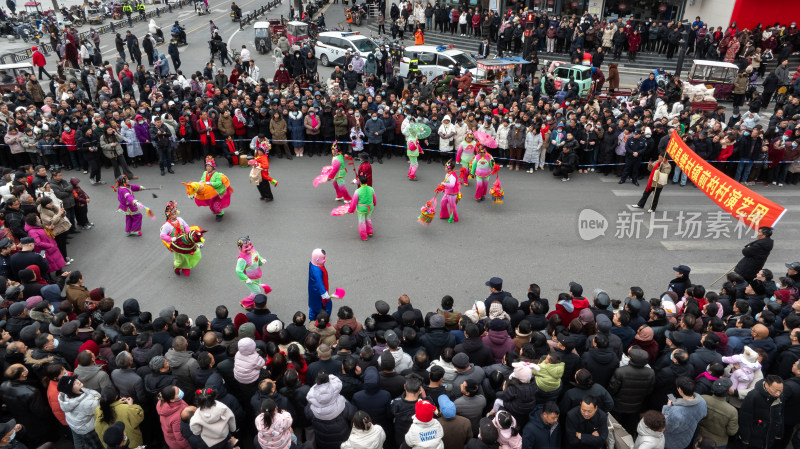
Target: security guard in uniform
{"x": 128, "y": 10}
{"x": 140, "y": 8}
{"x": 413, "y": 69}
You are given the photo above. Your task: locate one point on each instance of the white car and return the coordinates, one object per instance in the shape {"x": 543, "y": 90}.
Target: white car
{"x": 331, "y": 46}
{"x": 436, "y": 61}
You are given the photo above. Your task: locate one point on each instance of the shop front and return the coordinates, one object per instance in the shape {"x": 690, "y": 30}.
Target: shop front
{"x": 643, "y": 9}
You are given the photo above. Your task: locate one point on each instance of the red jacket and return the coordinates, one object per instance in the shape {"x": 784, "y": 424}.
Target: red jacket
{"x": 38, "y": 58}
{"x": 169, "y": 414}
{"x": 578, "y": 304}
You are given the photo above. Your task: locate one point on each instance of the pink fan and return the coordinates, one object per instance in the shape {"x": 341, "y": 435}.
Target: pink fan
{"x": 323, "y": 176}
{"x": 339, "y": 293}
{"x": 340, "y": 210}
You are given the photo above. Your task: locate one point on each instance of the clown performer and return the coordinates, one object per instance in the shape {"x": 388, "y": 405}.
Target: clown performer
{"x": 413, "y": 151}
{"x": 338, "y": 173}
{"x": 482, "y": 167}
{"x": 248, "y": 268}
{"x": 465, "y": 154}
{"x": 221, "y": 184}
{"x": 451, "y": 187}
{"x": 318, "y": 297}
{"x": 261, "y": 162}
{"x": 363, "y": 202}
{"x": 130, "y": 206}
{"x": 173, "y": 231}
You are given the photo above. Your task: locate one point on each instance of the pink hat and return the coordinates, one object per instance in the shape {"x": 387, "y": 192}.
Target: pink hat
{"x": 522, "y": 372}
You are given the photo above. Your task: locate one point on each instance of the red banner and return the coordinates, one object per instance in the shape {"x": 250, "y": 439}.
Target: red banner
{"x": 742, "y": 203}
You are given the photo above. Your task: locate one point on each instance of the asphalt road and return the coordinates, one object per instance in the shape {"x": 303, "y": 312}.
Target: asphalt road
{"x": 532, "y": 237}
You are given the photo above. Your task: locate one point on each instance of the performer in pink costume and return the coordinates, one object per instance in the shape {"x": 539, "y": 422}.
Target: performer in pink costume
{"x": 482, "y": 167}
{"x": 338, "y": 173}
{"x": 451, "y": 187}
{"x": 464, "y": 155}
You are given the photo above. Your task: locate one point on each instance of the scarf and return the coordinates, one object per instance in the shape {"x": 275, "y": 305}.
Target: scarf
{"x": 314, "y": 121}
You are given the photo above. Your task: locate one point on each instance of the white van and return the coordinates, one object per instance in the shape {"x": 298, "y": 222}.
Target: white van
{"x": 331, "y": 46}
{"x": 435, "y": 61}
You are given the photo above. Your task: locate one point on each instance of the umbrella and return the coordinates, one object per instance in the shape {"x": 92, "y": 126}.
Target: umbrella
{"x": 484, "y": 139}
{"x": 418, "y": 131}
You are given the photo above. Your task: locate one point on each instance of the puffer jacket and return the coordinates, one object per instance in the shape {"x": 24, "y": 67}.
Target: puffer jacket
{"x": 79, "y": 410}
{"x": 336, "y": 430}
{"x": 499, "y": 343}
{"x": 169, "y": 413}
{"x": 425, "y": 435}
{"x": 366, "y": 439}
{"x": 682, "y": 419}
{"x": 648, "y": 438}
{"x": 601, "y": 362}
{"x": 721, "y": 421}
{"x": 324, "y": 399}
{"x": 630, "y": 384}
{"x": 213, "y": 424}
{"x": 247, "y": 364}
{"x": 373, "y": 400}
{"x": 519, "y": 399}
{"x": 278, "y": 435}
{"x": 502, "y": 136}
{"x": 760, "y": 417}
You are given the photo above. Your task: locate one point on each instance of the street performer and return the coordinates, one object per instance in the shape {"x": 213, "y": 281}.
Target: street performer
{"x": 451, "y": 186}
{"x": 130, "y": 206}
{"x": 184, "y": 242}
{"x": 221, "y": 185}
{"x": 248, "y": 269}
{"x": 659, "y": 175}
{"x": 318, "y": 297}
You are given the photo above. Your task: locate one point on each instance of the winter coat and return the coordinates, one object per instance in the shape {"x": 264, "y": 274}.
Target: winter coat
{"x": 132, "y": 145}
{"x": 213, "y": 424}
{"x": 478, "y": 353}
{"x": 538, "y": 435}
{"x": 574, "y": 396}
{"x": 325, "y": 400}
{"x": 425, "y": 435}
{"x": 755, "y": 256}
{"x": 498, "y": 343}
{"x": 760, "y": 417}
{"x": 60, "y": 223}
{"x": 630, "y": 384}
{"x": 48, "y": 245}
{"x": 79, "y": 410}
{"x": 225, "y": 126}
{"x": 93, "y": 377}
{"x": 374, "y": 400}
{"x": 278, "y": 129}
{"x": 682, "y": 419}
{"x": 721, "y": 421}
{"x": 247, "y": 363}
{"x": 130, "y": 415}
{"x": 576, "y": 423}
{"x": 129, "y": 384}
{"x": 336, "y": 429}
{"x": 169, "y": 413}
{"x": 519, "y": 399}
{"x": 648, "y": 438}
{"x": 366, "y": 439}
{"x": 27, "y": 406}
{"x": 278, "y": 435}
{"x": 435, "y": 341}
{"x": 183, "y": 366}
{"x": 602, "y": 363}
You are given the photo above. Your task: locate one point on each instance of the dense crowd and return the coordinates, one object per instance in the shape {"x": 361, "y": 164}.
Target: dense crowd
{"x": 688, "y": 367}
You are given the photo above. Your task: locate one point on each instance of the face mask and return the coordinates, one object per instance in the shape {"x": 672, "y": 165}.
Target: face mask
{"x": 55, "y": 343}
{"x": 494, "y": 104}
{"x": 86, "y": 120}
{"x": 794, "y": 144}
{"x": 311, "y": 114}
{"x": 11, "y": 438}
{"x": 517, "y": 125}
{"x": 52, "y": 308}
{"x": 66, "y": 128}
{"x": 374, "y": 118}
{"x": 211, "y": 103}
{"x": 180, "y": 393}
{"x": 140, "y": 122}
{"x": 785, "y": 138}
{"x": 746, "y": 133}
{"x": 357, "y": 114}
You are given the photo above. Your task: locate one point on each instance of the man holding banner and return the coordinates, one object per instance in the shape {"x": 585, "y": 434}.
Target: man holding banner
{"x": 755, "y": 254}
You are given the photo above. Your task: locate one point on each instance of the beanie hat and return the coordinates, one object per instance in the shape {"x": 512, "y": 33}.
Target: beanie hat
{"x": 31, "y": 302}
{"x": 65, "y": 384}
{"x": 423, "y": 410}
{"x": 437, "y": 321}
{"x": 274, "y": 326}
{"x": 247, "y": 330}
{"x": 461, "y": 361}
{"x": 114, "y": 435}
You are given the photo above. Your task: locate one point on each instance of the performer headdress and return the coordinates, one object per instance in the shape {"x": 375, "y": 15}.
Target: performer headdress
{"x": 335, "y": 147}
{"x": 242, "y": 241}
{"x": 172, "y": 206}
{"x": 122, "y": 179}
{"x": 450, "y": 164}
{"x": 210, "y": 161}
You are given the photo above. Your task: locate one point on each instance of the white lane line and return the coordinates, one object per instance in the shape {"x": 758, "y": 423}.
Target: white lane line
{"x": 231, "y": 38}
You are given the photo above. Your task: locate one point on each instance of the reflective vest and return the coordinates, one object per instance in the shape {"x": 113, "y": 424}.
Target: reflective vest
{"x": 127, "y": 8}
{"x": 413, "y": 65}
{"x": 140, "y": 6}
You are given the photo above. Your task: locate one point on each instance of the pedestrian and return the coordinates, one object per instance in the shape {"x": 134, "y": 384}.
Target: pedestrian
{"x": 38, "y": 60}
{"x": 659, "y": 177}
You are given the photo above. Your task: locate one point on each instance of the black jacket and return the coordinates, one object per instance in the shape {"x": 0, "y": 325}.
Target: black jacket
{"x": 374, "y": 400}
{"x": 29, "y": 408}
{"x": 478, "y": 353}
{"x": 435, "y": 341}
{"x": 602, "y": 363}
{"x": 701, "y": 358}
{"x": 755, "y": 256}
{"x": 761, "y": 417}
{"x": 336, "y": 430}
{"x": 539, "y": 435}
{"x": 630, "y": 384}
{"x": 577, "y": 424}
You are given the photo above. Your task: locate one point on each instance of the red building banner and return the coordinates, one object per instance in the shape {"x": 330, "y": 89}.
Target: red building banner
{"x": 742, "y": 203}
